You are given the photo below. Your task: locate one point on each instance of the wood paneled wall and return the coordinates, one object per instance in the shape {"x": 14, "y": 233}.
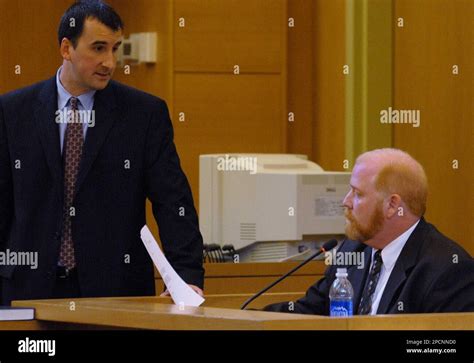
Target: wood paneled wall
{"x": 316, "y": 55}
{"x": 28, "y": 38}
{"x": 437, "y": 35}
{"x": 328, "y": 83}
{"x": 226, "y": 112}
{"x": 148, "y": 16}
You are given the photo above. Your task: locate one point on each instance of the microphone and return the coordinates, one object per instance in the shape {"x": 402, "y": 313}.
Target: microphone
{"x": 329, "y": 245}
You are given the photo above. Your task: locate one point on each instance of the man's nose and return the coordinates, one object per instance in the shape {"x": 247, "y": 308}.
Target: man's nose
{"x": 347, "y": 201}
{"x": 109, "y": 62}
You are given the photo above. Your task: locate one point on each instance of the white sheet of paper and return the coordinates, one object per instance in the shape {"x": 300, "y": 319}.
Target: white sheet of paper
{"x": 179, "y": 290}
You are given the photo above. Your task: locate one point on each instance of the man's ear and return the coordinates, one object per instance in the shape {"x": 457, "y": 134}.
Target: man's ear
{"x": 65, "y": 49}
{"x": 394, "y": 206}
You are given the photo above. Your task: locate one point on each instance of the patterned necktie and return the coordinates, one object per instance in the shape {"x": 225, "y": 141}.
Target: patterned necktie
{"x": 365, "y": 305}
{"x": 74, "y": 141}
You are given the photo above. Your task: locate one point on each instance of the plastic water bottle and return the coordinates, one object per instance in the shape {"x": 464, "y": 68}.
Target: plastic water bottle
{"x": 341, "y": 295}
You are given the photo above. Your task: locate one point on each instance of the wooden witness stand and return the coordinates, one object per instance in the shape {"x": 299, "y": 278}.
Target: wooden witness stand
{"x": 219, "y": 312}
{"x": 227, "y": 287}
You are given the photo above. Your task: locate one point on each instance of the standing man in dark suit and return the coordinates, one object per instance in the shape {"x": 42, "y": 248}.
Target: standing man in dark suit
{"x": 410, "y": 267}
{"x": 79, "y": 155}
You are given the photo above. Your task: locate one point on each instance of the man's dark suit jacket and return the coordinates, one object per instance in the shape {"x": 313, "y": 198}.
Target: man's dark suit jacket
{"x": 132, "y": 129}
{"x": 432, "y": 274}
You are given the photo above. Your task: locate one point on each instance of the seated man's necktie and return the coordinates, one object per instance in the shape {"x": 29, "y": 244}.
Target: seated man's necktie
{"x": 365, "y": 305}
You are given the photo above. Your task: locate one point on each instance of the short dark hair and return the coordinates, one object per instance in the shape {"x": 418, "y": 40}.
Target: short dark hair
{"x": 80, "y": 11}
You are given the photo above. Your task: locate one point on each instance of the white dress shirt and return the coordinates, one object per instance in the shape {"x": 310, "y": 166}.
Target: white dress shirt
{"x": 390, "y": 255}
{"x": 86, "y": 102}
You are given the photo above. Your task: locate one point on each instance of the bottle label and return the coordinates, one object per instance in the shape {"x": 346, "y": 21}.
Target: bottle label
{"x": 341, "y": 308}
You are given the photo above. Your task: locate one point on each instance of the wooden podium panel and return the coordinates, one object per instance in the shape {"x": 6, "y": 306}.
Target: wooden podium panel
{"x": 158, "y": 313}
{"x": 248, "y": 278}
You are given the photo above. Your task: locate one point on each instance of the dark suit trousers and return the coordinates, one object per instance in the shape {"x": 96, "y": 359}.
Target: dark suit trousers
{"x": 67, "y": 287}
